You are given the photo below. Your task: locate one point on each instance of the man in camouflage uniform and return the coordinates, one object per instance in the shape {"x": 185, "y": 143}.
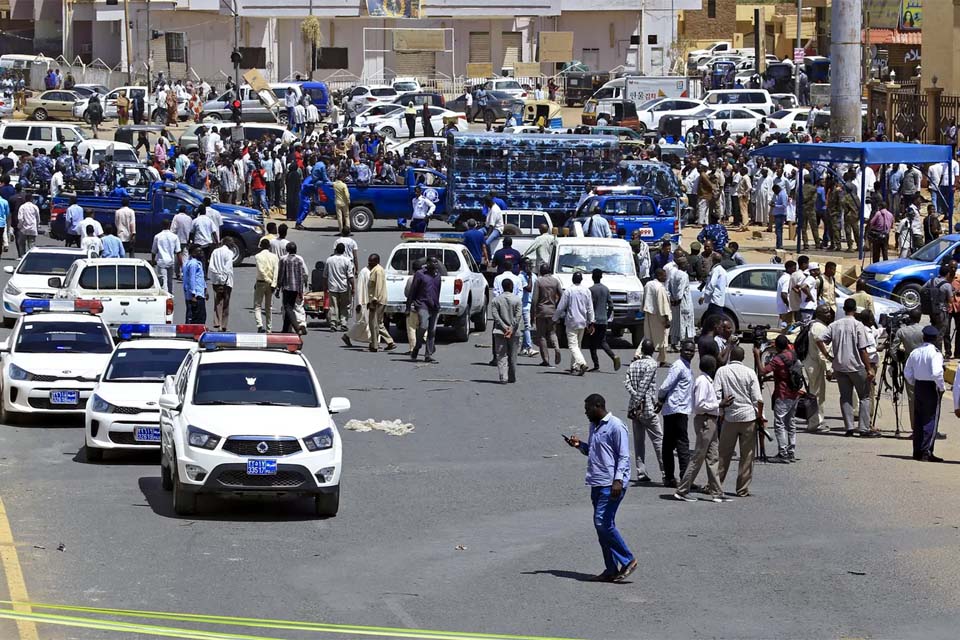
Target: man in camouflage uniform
{"x": 851, "y": 213}
{"x": 810, "y": 212}
{"x": 835, "y": 213}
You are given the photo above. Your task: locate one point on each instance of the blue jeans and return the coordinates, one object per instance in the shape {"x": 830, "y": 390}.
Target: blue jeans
{"x": 778, "y": 222}
{"x": 527, "y": 341}
{"x": 615, "y": 552}
{"x": 491, "y": 239}
{"x": 260, "y": 200}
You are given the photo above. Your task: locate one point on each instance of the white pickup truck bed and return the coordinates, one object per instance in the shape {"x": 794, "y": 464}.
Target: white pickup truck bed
{"x": 128, "y": 288}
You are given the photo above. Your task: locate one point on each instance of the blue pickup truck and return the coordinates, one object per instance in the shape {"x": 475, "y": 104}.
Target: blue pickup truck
{"x": 242, "y": 227}
{"x": 387, "y": 201}
{"x": 901, "y": 279}
{"x": 629, "y": 212}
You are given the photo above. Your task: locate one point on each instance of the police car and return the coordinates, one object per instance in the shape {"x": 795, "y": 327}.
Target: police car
{"x": 52, "y": 358}
{"x": 123, "y": 412}
{"x": 30, "y": 279}
{"x": 245, "y": 415}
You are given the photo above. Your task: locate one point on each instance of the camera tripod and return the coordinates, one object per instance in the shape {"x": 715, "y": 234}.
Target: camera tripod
{"x": 889, "y": 378}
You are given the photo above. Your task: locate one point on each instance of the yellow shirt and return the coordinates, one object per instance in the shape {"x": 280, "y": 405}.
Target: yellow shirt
{"x": 267, "y": 266}
{"x": 341, "y": 193}
{"x": 377, "y": 287}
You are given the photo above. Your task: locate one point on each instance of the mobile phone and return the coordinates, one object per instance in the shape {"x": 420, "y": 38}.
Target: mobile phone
{"x": 566, "y": 438}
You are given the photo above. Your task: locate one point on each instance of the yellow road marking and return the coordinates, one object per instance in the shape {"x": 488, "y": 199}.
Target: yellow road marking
{"x": 14, "y": 574}
{"x": 290, "y": 625}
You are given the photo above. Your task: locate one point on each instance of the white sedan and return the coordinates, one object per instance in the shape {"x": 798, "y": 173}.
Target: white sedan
{"x": 29, "y": 280}
{"x": 651, "y": 111}
{"x": 245, "y": 415}
{"x": 781, "y": 121}
{"x": 374, "y": 114}
{"x": 738, "y": 120}
{"x": 52, "y": 358}
{"x": 122, "y": 413}
{"x": 394, "y": 125}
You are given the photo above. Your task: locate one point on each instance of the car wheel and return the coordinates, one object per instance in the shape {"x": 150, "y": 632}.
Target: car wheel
{"x": 909, "y": 295}
{"x": 216, "y": 117}
{"x": 361, "y": 218}
{"x": 461, "y": 327}
{"x": 184, "y": 503}
{"x": 166, "y": 479}
{"x": 86, "y": 116}
{"x": 389, "y": 132}
{"x": 480, "y": 319}
{"x": 636, "y": 335}
{"x": 40, "y": 114}
{"x": 235, "y": 249}
{"x": 92, "y": 454}
{"x": 641, "y": 128}
{"x": 9, "y": 322}
{"x": 327, "y": 505}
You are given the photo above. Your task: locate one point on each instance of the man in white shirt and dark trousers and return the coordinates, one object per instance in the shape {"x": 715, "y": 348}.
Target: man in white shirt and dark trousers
{"x": 706, "y": 412}
{"x": 575, "y": 309}
{"x": 423, "y": 208}
{"x": 738, "y": 389}
{"x": 166, "y": 248}
{"x": 924, "y": 372}
{"x": 676, "y": 398}
{"x": 715, "y": 291}
{"x": 221, "y": 277}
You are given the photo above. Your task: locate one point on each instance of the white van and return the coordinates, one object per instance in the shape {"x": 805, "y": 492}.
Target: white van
{"x": 25, "y": 136}
{"x": 94, "y": 151}
{"x": 23, "y": 62}
{"x": 753, "y": 99}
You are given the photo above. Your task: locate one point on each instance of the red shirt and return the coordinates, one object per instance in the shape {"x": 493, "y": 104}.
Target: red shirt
{"x": 780, "y": 366}
{"x": 256, "y": 179}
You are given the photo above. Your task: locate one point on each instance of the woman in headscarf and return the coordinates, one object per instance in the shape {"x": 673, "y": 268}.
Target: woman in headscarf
{"x": 171, "y": 108}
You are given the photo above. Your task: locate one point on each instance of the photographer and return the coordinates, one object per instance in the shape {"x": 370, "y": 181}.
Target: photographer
{"x": 905, "y": 340}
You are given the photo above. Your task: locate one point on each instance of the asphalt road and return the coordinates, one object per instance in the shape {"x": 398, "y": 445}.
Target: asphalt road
{"x": 479, "y": 521}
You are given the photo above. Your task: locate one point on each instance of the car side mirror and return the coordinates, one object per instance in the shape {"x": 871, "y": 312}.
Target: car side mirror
{"x": 170, "y": 402}
{"x": 54, "y": 282}
{"x": 9, "y": 269}
{"x": 338, "y": 405}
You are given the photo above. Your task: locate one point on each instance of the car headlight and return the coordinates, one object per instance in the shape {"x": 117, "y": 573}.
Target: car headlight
{"x": 634, "y": 297}
{"x": 16, "y": 373}
{"x": 320, "y": 440}
{"x": 883, "y": 277}
{"x": 99, "y": 405}
{"x": 11, "y": 290}
{"x": 258, "y": 230}
{"x": 202, "y": 439}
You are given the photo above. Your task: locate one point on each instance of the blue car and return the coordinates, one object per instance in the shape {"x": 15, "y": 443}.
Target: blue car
{"x": 901, "y": 279}
{"x": 629, "y": 212}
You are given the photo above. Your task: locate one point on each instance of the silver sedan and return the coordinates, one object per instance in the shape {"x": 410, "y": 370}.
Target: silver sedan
{"x": 752, "y": 296}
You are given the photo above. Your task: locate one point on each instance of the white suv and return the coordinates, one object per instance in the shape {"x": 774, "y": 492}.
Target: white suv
{"x": 373, "y": 94}
{"x": 30, "y": 278}
{"x": 245, "y": 415}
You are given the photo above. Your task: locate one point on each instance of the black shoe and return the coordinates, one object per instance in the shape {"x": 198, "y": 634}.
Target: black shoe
{"x": 792, "y": 458}
{"x": 626, "y": 571}
{"x": 672, "y": 484}
{"x": 931, "y": 458}
{"x": 492, "y": 363}
{"x": 261, "y": 330}
{"x": 545, "y": 364}
{"x": 869, "y": 434}
{"x": 429, "y": 359}
{"x": 603, "y": 577}
{"x": 346, "y": 340}
{"x": 644, "y": 478}
{"x": 413, "y": 355}
{"x": 596, "y": 367}
{"x": 848, "y": 434}
{"x": 779, "y": 460}
{"x": 390, "y": 347}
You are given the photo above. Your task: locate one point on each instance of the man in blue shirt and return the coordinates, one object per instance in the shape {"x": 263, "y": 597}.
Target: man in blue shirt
{"x": 663, "y": 257}
{"x": 112, "y": 247}
{"x": 716, "y": 232}
{"x": 194, "y": 288}
{"x": 676, "y": 398}
{"x": 7, "y": 190}
{"x": 820, "y": 205}
{"x": 72, "y": 220}
{"x": 608, "y": 469}
{"x": 475, "y": 241}
{"x": 507, "y": 255}
{"x": 778, "y": 210}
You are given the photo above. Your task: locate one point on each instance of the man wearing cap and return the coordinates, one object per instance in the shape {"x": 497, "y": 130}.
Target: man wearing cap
{"x": 924, "y": 372}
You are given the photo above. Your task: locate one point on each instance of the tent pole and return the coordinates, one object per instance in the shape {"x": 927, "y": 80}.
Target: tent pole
{"x": 863, "y": 204}
{"x": 950, "y": 186}
{"x": 800, "y": 219}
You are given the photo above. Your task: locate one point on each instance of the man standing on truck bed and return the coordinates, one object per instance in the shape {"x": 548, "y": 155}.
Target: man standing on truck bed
{"x": 423, "y": 208}
{"x": 494, "y": 222}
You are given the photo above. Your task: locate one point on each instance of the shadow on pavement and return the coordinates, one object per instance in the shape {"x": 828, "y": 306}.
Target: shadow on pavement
{"x": 910, "y": 458}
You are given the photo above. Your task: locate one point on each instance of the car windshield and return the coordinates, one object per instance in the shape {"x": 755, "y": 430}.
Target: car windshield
{"x": 63, "y": 337}
{"x": 405, "y": 86}
{"x": 119, "y": 155}
{"x": 930, "y": 252}
{"x": 46, "y": 264}
{"x": 148, "y": 364}
{"x": 649, "y": 103}
{"x": 585, "y": 258}
{"x": 254, "y": 383}
{"x": 508, "y": 85}
{"x": 783, "y": 113}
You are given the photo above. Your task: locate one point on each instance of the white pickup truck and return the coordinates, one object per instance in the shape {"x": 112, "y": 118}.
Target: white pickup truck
{"x": 127, "y": 287}
{"x": 615, "y": 258}
{"x": 463, "y": 290}
{"x": 523, "y": 227}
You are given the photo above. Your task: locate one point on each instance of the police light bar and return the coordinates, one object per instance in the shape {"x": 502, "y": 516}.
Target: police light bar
{"x": 61, "y": 306}
{"x": 219, "y": 339}
{"x": 443, "y": 236}
{"x": 131, "y": 331}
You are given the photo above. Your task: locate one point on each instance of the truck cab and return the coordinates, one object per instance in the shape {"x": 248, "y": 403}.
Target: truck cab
{"x": 628, "y": 212}
{"x": 901, "y": 280}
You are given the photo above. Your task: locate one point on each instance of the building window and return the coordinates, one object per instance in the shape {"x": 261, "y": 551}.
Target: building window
{"x": 332, "y": 58}
{"x": 652, "y": 39}
{"x": 711, "y": 8}
{"x": 253, "y": 57}
{"x": 176, "y": 47}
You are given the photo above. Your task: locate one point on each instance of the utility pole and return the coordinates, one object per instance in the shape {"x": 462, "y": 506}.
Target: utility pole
{"x": 126, "y": 27}
{"x": 149, "y": 46}
{"x": 640, "y": 37}
{"x": 236, "y": 46}
{"x": 758, "y": 44}
{"x": 796, "y": 64}
{"x": 845, "y": 52}
{"x": 313, "y": 49}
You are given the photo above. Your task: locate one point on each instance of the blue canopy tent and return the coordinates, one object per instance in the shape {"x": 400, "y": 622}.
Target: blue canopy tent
{"x": 861, "y": 154}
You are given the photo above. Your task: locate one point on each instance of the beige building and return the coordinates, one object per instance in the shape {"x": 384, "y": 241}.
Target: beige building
{"x": 941, "y": 33}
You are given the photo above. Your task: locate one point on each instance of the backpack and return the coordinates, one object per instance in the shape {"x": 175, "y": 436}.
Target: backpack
{"x": 801, "y": 344}
{"x": 927, "y": 295}
{"x": 796, "y": 381}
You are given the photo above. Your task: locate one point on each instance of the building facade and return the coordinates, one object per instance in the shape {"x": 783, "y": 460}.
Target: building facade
{"x": 359, "y": 38}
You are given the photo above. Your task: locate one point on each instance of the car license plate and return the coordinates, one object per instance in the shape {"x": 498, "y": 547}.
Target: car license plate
{"x": 646, "y": 232}
{"x": 64, "y": 397}
{"x": 147, "y": 434}
{"x": 261, "y": 467}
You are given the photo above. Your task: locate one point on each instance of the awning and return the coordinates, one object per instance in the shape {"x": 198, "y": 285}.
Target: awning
{"x": 858, "y": 152}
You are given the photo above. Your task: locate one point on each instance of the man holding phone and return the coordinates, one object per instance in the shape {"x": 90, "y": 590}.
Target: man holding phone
{"x": 608, "y": 470}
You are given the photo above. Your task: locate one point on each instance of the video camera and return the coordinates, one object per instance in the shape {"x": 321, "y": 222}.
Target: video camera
{"x": 891, "y": 322}
{"x": 755, "y": 334}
